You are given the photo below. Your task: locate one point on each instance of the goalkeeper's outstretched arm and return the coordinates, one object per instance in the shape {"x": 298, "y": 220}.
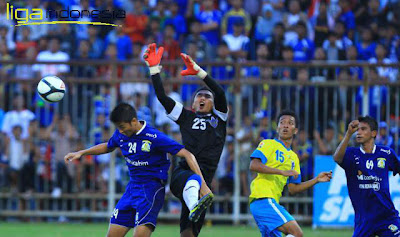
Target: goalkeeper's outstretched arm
{"x": 153, "y": 59}
{"x": 220, "y": 102}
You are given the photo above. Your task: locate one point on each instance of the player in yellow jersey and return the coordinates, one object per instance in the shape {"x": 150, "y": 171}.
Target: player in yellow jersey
{"x": 277, "y": 165}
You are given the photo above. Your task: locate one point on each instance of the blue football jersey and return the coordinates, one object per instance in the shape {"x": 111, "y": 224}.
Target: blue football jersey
{"x": 368, "y": 184}
{"x": 145, "y": 152}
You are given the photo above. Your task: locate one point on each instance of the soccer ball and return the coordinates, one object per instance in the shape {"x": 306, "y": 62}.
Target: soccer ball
{"x": 51, "y": 89}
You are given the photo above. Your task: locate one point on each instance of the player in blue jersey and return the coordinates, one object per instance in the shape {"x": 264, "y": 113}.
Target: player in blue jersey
{"x": 145, "y": 151}
{"x": 367, "y": 169}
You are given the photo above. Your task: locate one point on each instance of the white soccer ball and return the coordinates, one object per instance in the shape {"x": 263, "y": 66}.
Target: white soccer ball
{"x": 51, "y": 89}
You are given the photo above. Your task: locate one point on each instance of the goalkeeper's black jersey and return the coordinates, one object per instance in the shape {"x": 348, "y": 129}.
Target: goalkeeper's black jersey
{"x": 202, "y": 134}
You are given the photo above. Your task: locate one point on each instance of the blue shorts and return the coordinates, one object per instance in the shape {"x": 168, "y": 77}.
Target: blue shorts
{"x": 384, "y": 228}
{"x": 140, "y": 204}
{"x": 269, "y": 216}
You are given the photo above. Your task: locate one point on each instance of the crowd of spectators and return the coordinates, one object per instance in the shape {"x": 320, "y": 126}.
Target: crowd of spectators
{"x": 35, "y": 136}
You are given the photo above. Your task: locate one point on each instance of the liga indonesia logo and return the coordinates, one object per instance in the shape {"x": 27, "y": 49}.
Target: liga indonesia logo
{"x": 37, "y": 16}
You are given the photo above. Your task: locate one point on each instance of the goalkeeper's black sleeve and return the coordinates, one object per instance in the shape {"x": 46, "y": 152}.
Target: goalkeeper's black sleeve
{"x": 220, "y": 100}
{"x": 165, "y": 100}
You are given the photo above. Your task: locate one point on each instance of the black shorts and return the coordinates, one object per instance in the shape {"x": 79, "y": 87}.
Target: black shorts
{"x": 178, "y": 181}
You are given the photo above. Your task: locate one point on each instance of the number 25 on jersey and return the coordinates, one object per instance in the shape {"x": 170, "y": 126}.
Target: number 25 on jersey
{"x": 199, "y": 123}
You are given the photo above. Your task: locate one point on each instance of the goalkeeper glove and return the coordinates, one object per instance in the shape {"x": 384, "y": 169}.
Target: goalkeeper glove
{"x": 192, "y": 67}
{"x": 153, "y": 58}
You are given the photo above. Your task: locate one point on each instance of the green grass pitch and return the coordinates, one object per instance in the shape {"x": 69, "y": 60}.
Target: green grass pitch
{"x": 163, "y": 230}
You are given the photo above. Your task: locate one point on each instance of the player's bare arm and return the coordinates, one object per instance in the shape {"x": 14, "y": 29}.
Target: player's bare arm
{"x": 94, "y": 150}
{"x": 194, "y": 166}
{"x": 152, "y": 57}
{"x": 321, "y": 178}
{"x": 341, "y": 150}
{"x": 257, "y": 166}
{"x": 195, "y": 70}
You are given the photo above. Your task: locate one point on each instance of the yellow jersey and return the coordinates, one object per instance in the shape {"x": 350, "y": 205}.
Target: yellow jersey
{"x": 274, "y": 154}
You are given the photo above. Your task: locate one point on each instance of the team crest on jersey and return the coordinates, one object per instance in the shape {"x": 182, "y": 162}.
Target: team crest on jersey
{"x": 393, "y": 228}
{"x": 261, "y": 144}
{"x": 381, "y": 162}
{"x": 213, "y": 122}
{"x": 146, "y": 144}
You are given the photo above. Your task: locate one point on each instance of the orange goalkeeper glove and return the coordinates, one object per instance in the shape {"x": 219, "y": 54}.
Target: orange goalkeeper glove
{"x": 153, "y": 58}
{"x": 192, "y": 67}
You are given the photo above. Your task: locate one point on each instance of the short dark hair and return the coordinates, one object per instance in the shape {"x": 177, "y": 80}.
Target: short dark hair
{"x": 223, "y": 44}
{"x": 123, "y": 113}
{"x": 287, "y": 48}
{"x": 289, "y": 113}
{"x": 279, "y": 24}
{"x": 302, "y": 24}
{"x": 17, "y": 127}
{"x": 372, "y": 123}
{"x": 204, "y": 88}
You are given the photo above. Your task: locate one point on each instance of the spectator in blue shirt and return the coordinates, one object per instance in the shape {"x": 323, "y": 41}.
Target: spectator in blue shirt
{"x": 384, "y": 138}
{"x": 210, "y": 20}
{"x": 238, "y": 42}
{"x": 305, "y": 153}
{"x": 347, "y": 17}
{"x": 391, "y": 41}
{"x": 223, "y": 72}
{"x": 342, "y": 41}
{"x": 121, "y": 40}
{"x": 377, "y": 96}
{"x": 183, "y": 4}
{"x": 262, "y": 53}
{"x": 352, "y": 55}
{"x": 303, "y": 48}
{"x": 96, "y": 43}
{"x": 234, "y": 15}
{"x": 143, "y": 112}
{"x": 1, "y": 117}
{"x": 178, "y": 21}
{"x": 265, "y": 24}
{"x": 366, "y": 48}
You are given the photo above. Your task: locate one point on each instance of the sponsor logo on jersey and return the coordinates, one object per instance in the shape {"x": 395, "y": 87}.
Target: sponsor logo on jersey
{"x": 368, "y": 177}
{"x": 213, "y": 121}
{"x": 375, "y": 186}
{"x": 386, "y": 151}
{"x": 393, "y": 228}
{"x": 146, "y": 144}
{"x": 136, "y": 162}
{"x": 381, "y": 162}
{"x": 292, "y": 164}
{"x": 151, "y": 135}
